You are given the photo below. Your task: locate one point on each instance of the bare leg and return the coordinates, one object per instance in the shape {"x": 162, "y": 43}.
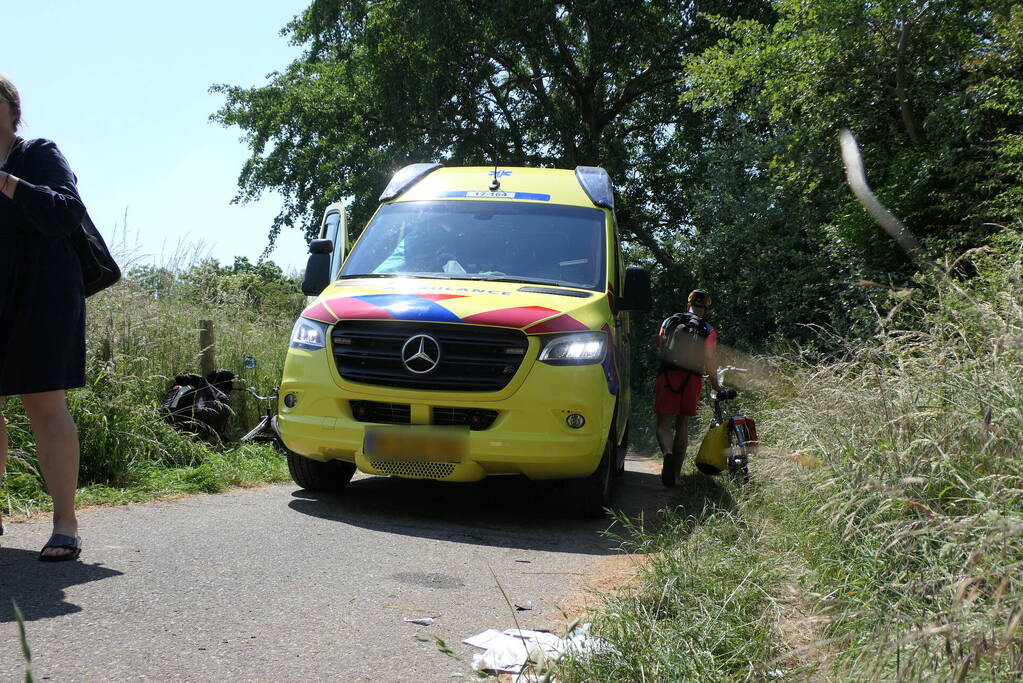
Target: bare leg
{"x": 664, "y": 433}
{"x": 681, "y": 441}
{"x": 57, "y": 446}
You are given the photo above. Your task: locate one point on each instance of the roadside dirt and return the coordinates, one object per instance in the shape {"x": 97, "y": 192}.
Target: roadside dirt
{"x": 615, "y": 573}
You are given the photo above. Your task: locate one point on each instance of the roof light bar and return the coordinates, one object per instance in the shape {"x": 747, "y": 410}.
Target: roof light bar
{"x": 597, "y": 185}
{"x": 406, "y": 178}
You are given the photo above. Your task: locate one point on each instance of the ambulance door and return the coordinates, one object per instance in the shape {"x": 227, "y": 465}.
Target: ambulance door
{"x": 623, "y": 340}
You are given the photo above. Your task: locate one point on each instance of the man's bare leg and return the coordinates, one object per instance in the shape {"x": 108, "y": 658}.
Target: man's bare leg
{"x": 665, "y": 435}
{"x": 667, "y": 438}
{"x": 681, "y": 442}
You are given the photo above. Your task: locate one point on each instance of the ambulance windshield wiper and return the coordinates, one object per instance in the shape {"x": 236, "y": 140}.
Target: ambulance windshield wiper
{"x": 525, "y": 280}
{"x": 418, "y": 276}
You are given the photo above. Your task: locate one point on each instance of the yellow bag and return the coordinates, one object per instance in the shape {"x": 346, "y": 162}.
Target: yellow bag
{"x": 712, "y": 458}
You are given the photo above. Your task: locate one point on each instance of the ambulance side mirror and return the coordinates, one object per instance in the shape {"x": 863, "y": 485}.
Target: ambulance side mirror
{"x": 636, "y": 294}
{"x": 317, "y": 269}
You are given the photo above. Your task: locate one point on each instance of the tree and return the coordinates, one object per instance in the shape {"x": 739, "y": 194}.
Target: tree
{"x": 590, "y": 82}
{"x": 898, "y": 73}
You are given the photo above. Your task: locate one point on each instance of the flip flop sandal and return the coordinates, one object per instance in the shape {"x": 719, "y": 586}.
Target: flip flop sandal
{"x": 72, "y": 543}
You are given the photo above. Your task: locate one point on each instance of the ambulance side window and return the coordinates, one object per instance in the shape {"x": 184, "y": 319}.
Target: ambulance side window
{"x": 618, "y": 262}
{"x": 330, "y": 232}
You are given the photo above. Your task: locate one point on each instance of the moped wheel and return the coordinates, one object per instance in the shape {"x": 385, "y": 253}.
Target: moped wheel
{"x": 738, "y": 458}
{"x": 739, "y": 475}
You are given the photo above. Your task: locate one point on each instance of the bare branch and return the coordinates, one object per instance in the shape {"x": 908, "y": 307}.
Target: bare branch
{"x": 857, "y": 179}
{"x": 901, "y": 86}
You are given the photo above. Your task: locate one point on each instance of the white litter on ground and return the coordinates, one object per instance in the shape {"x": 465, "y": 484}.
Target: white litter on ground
{"x": 511, "y": 650}
{"x": 422, "y": 621}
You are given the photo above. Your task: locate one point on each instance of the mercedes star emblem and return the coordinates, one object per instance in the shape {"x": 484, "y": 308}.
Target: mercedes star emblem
{"x": 420, "y": 354}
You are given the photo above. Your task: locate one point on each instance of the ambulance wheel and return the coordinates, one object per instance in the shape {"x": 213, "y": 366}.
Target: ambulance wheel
{"x": 595, "y": 490}
{"x": 622, "y": 451}
{"x": 313, "y": 475}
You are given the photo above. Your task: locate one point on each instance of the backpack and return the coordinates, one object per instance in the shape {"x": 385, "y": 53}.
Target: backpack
{"x": 199, "y": 405}
{"x": 682, "y": 342}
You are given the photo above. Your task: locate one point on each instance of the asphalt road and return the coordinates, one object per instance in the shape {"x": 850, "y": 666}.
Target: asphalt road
{"x": 278, "y": 584}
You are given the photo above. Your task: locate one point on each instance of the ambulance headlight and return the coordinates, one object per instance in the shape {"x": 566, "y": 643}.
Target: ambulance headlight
{"x": 308, "y": 334}
{"x": 577, "y": 348}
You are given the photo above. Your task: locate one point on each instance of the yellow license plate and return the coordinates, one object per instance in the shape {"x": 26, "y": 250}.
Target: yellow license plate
{"x": 416, "y": 443}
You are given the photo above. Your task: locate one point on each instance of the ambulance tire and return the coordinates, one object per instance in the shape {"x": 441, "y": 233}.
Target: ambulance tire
{"x": 313, "y": 475}
{"x": 595, "y": 490}
{"x": 623, "y": 450}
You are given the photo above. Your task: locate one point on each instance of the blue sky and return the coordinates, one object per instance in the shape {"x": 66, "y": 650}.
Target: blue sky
{"x": 122, "y": 88}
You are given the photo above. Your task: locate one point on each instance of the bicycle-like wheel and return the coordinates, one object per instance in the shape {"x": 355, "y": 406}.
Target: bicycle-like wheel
{"x": 739, "y": 449}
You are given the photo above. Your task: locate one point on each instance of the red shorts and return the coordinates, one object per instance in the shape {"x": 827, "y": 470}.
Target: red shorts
{"x": 667, "y": 400}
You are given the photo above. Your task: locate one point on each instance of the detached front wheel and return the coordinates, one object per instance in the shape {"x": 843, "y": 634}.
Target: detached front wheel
{"x": 313, "y": 475}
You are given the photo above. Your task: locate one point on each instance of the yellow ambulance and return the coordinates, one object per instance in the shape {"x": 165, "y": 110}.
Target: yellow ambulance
{"x": 478, "y": 327}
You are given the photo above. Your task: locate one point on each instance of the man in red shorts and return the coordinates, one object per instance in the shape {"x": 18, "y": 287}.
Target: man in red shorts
{"x": 678, "y": 390}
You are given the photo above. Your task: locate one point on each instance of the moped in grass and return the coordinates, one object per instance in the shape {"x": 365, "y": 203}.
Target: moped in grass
{"x": 731, "y": 439}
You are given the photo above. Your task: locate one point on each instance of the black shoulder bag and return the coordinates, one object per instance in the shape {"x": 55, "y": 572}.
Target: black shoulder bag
{"x": 99, "y": 269}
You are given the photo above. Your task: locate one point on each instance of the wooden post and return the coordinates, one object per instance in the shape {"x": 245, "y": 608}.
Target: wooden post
{"x": 106, "y": 347}
{"x": 206, "y": 360}
{"x": 106, "y": 352}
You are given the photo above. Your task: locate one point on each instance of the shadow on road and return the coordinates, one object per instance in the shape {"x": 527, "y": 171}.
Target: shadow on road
{"x": 509, "y": 512}
{"x": 701, "y": 495}
{"x": 39, "y": 588}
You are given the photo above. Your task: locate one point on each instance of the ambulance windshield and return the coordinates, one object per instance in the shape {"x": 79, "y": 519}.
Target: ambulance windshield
{"x": 478, "y": 240}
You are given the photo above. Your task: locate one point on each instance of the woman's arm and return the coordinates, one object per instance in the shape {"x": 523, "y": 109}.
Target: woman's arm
{"x": 51, "y": 203}
{"x": 8, "y": 183}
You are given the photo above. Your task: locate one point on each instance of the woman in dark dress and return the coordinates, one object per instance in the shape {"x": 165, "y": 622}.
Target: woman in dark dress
{"x": 42, "y": 310}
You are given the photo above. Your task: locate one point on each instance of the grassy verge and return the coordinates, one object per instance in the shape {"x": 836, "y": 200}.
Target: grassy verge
{"x": 901, "y": 526}
{"x": 136, "y": 344}
{"x": 698, "y": 613}
{"x": 913, "y": 523}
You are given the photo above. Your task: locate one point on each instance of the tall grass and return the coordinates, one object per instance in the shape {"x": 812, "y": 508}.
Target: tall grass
{"x": 913, "y": 524}
{"x": 136, "y": 344}
{"x": 902, "y": 523}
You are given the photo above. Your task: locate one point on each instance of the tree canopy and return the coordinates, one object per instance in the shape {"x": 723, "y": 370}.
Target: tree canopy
{"x": 540, "y": 83}
{"x": 718, "y": 122}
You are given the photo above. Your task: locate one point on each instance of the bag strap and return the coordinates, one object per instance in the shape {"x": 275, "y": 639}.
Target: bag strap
{"x": 685, "y": 383}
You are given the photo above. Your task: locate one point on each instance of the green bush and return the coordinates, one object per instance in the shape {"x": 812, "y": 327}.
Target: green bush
{"x": 139, "y": 337}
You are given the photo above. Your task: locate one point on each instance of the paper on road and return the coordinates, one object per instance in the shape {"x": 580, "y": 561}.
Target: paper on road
{"x": 509, "y": 651}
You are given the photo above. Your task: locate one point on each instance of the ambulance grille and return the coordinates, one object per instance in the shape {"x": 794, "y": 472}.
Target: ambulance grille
{"x": 476, "y": 419}
{"x": 384, "y": 413}
{"x": 472, "y": 357}
{"x": 430, "y": 470}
